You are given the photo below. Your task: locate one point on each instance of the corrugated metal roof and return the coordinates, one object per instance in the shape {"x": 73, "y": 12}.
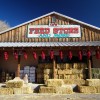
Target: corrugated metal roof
{"x": 48, "y": 44}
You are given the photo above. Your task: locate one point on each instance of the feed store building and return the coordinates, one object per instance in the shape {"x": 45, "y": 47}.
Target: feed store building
{"x": 52, "y": 46}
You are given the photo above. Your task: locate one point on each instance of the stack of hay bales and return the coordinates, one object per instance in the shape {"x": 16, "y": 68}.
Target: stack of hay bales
{"x": 26, "y": 89}
{"x": 87, "y": 89}
{"x": 91, "y": 86}
{"x": 16, "y": 86}
{"x": 15, "y": 83}
{"x": 56, "y": 86}
{"x": 79, "y": 71}
{"x": 64, "y": 66}
{"x": 63, "y": 70}
{"x": 69, "y": 71}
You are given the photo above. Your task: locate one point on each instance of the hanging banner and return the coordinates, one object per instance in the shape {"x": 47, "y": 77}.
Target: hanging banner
{"x": 58, "y": 31}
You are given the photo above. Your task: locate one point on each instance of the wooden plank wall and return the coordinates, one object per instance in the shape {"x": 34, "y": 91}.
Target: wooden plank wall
{"x": 20, "y": 34}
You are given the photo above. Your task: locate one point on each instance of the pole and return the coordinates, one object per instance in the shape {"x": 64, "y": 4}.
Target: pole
{"x": 54, "y": 64}
{"x": 18, "y": 67}
{"x": 89, "y": 69}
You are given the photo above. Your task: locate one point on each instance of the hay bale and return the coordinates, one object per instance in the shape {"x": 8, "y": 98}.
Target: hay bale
{"x": 59, "y": 90}
{"x": 47, "y": 71}
{"x": 63, "y": 66}
{"x": 87, "y": 89}
{"x": 67, "y": 71}
{"x": 60, "y": 71}
{"x": 61, "y": 76}
{"x": 74, "y": 81}
{"x": 54, "y": 82}
{"x": 46, "y": 76}
{"x": 64, "y": 89}
{"x": 66, "y": 76}
{"x": 76, "y": 65}
{"x": 77, "y": 71}
{"x": 18, "y": 91}
{"x": 58, "y": 66}
{"x": 97, "y": 89}
{"x": 6, "y": 91}
{"x": 93, "y": 82}
{"x": 82, "y": 76}
{"x": 72, "y": 76}
{"x": 44, "y": 89}
{"x": 80, "y": 65}
{"x": 23, "y": 90}
{"x": 15, "y": 83}
{"x": 56, "y": 76}
{"x": 68, "y": 66}
{"x": 27, "y": 90}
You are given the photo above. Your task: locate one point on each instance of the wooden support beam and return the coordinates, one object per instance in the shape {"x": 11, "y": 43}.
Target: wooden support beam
{"x": 89, "y": 69}
{"x": 54, "y": 65}
{"x": 18, "y": 67}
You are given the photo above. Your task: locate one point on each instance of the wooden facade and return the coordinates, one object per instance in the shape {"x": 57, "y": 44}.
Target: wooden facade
{"x": 19, "y": 34}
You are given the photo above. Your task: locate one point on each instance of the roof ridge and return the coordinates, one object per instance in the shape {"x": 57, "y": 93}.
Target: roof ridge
{"x": 77, "y": 20}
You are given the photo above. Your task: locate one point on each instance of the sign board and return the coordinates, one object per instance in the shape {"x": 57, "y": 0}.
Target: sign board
{"x": 56, "y": 31}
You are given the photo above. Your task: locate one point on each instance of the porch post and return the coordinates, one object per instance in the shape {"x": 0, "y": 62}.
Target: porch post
{"x": 18, "y": 67}
{"x": 54, "y": 65}
{"x": 89, "y": 69}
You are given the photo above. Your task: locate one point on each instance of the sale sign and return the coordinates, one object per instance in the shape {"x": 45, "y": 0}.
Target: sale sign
{"x": 58, "y": 31}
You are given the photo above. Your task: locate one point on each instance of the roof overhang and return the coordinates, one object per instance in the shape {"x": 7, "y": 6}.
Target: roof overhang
{"x": 49, "y": 44}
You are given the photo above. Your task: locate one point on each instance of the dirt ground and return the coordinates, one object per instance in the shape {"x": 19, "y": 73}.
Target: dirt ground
{"x": 37, "y": 96}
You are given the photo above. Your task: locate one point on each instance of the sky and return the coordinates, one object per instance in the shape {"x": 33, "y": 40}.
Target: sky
{"x": 16, "y": 12}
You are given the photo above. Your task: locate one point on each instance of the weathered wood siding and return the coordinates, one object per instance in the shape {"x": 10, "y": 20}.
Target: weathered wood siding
{"x": 20, "y": 34}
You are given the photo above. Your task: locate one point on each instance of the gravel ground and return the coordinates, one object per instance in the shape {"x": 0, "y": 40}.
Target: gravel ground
{"x": 37, "y": 96}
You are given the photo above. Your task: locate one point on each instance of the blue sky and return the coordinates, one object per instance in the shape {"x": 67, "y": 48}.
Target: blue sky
{"x": 16, "y": 12}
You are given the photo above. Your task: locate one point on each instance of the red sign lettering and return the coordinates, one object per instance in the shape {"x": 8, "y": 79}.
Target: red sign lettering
{"x": 65, "y": 30}
{"x": 39, "y": 30}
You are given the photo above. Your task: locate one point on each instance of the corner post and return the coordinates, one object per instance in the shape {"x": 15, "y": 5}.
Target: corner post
{"x": 89, "y": 69}
{"x": 18, "y": 67}
{"x": 54, "y": 64}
